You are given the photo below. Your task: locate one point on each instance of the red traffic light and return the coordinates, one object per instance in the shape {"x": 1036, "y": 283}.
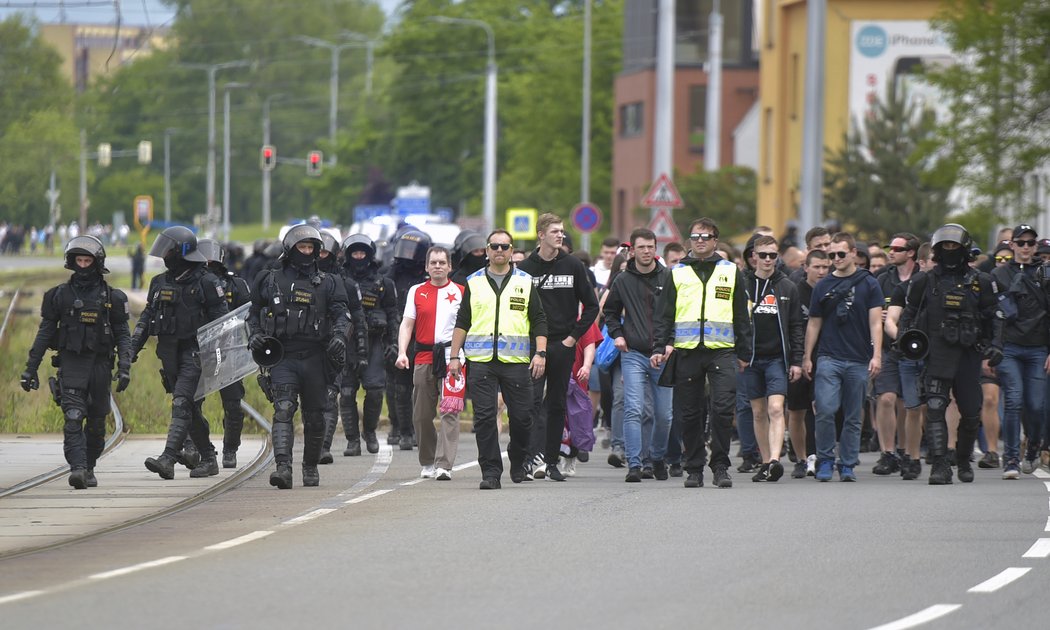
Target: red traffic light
{"x": 267, "y": 153}
{"x": 268, "y": 157}
{"x": 314, "y": 160}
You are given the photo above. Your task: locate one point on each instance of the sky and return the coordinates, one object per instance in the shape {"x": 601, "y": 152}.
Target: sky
{"x": 133, "y": 12}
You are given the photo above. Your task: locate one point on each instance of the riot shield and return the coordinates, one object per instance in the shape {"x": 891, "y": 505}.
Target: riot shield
{"x": 224, "y": 354}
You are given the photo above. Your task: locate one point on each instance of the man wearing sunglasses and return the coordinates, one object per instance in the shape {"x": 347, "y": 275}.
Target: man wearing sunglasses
{"x": 703, "y": 329}
{"x": 845, "y": 334}
{"x": 499, "y": 312}
{"x": 563, "y": 286}
{"x": 1022, "y": 374}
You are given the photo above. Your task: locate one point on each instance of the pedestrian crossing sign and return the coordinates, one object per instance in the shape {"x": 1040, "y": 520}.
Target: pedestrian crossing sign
{"x": 663, "y": 194}
{"x": 521, "y": 223}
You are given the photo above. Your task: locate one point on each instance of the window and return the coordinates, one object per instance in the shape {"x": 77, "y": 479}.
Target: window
{"x": 630, "y": 119}
{"x": 697, "y": 117}
{"x": 691, "y": 27}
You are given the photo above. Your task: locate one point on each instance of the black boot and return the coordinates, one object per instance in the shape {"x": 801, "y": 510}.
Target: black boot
{"x": 92, "y": 481}
{"x": 968, "y": 428}
{"x": 282, "y": 477}
{"x": 208, "y": 467}
{"x": 353, "y": 448}
{"x": 163, "y": 466}
{"x": 189, "y": 456}
{"x": 313, "y": 437}
{"x": 940, "y": 471}
{"x": 326, "y": 457}
{"x": 310, "y": 476}
{"x": 282, "y": 436}
{"x": 229, "y": 459}
{"x": 371, "y": 443}
{"x": 78, "y": 478}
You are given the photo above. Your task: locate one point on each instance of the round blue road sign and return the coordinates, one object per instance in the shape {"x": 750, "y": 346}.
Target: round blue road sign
{"x": 586, "y": 217}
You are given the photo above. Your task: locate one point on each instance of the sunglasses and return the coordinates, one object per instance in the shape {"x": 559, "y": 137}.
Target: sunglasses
{"x": 837, "y": 254}
{"x": 1031, "y": 242}
{"x": 701, "y": 237}
{"x": 767, "y": 255}
{"x": 898, "y": 250}
{"x": 499, "y": 246}
{"x": 1003, "y": 258}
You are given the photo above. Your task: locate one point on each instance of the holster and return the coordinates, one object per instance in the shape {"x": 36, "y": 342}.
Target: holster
{"x": 164, "y": 381}
{"x": 56, "y": 389}
{"x": 265, "y": 384}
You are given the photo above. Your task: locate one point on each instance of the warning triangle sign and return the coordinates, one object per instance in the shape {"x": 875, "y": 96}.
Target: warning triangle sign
{"x": 664, "y": 228}
{"x": 663, "y": 194}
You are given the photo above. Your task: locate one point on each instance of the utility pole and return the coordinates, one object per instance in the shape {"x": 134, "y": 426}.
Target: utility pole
{"x": 369, "y": 45}
{"x": 226, "y": 157}
{"x": 663, "y": 137}
{"x": 266, "y": 173}
{"x": 84, "y": 202}
{"x": 167, "y": 174}
{"x": 585, "y": 135}
{"x": 211, "y": 69}
{"x": 333, "y": 85}
{"x": 713, "y": 134}
{"x": 811, "y": 211}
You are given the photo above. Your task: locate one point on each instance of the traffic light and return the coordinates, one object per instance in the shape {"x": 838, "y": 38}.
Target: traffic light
{"x": 105, "y": 154}
{"x": 268, "y": 157}
{"x": 313, "y": 163}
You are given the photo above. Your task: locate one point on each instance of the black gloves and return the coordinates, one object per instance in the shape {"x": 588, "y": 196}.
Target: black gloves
{"x": 390, "y": 353}
{"x": 123, "y": 378}
{"x": 256, "y": 342}
{"x": 994, "y": 355}
{"x": 337, "y": 350}
{"x": 29, "y": 380}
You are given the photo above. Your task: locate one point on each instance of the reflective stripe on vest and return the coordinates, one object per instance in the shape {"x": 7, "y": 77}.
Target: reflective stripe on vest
{"x": 510, "y": 309}
{"x": 704, "y": 314}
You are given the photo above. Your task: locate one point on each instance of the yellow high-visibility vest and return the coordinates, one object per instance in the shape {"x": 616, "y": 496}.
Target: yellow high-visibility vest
{"x": 704, "y": 314}
{"x": 499, "y": 323}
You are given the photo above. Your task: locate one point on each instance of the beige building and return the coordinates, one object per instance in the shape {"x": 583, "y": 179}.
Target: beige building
{"x": 88, "y": 50}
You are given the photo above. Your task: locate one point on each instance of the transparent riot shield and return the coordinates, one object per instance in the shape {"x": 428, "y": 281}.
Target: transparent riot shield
{"x": 224, "y": 354}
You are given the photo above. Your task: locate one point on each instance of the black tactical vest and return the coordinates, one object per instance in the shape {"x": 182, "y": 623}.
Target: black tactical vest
{"x": 83, "y": 324}
{"x": 179, "y": 309}
{"x": 953, "y": 304}
{"x": 373, "y": 292}
{"x": 295, "y": 309}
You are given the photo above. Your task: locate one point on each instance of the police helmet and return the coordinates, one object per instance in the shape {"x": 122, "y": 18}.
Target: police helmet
{"x": 259, "y": 247}
{"x": 412, "y": 245}
{"x": 951, "y": 233}
{"x": 212, "y": 250}
{"x": 329, "y": 242}
{"x": 300, "y": 233}
{"x": 179, "y": 240}
{"x": 467, "y": 241}
{"x": 361, "y": 242}
{"x": 85, "y": 246}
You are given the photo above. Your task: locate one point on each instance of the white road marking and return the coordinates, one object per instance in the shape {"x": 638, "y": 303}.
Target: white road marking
{"x": 233, "y": 542}
{"x": 1047, "y": 484}
{"x": 993, "y": 584}
{"x": 1040, "y": 549}
{"x": 413, "y": 482}
{"x": 309, "y": 516}
{"x": 1042, "y": 474}
{"x": 1047, "y": 529}
{"x": 370, "y": 495}
{"x": 923, "y": 616}
{"x": 14, "y": 597}
{"x": 136, "y": 567}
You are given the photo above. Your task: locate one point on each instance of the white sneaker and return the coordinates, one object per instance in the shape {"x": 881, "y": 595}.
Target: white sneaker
{"x": 539, "y": 468}
{"x": 428, "y": 472}
{"x": 811, "y": 466}
{"x": 442, "y": 475}
{"x": 568, "y": 466}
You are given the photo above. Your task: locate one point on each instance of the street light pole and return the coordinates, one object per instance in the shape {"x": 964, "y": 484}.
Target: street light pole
{"x": 211, "y": 69}
{"x": 333, "y": 84}
{"x": 266, "y": 173}
{"x": 226, "y": 157}
{"x": 489, "y": 193}
{"x": 369, "y": 44}
{"x": 585, "y": 134}
{"x": 167, "y": 174}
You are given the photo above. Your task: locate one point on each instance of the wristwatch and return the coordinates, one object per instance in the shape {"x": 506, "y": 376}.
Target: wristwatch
{"x": 542, "y": 354}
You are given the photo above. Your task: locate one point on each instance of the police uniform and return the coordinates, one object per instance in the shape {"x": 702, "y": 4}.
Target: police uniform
{"x": 703, "y": 313}
{"x": 365, "y": 365}
{"x": 86, "y": 322}
{"x": 179, "y": 301}
{"x": 306, "y": 311}
{"x": 956, "y": 307}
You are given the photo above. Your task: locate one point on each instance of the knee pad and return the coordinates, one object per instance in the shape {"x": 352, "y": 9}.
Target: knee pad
{"x": 74, "y": 414}
{"x": 284, "y": 410}
{"x": 936, "y": 403}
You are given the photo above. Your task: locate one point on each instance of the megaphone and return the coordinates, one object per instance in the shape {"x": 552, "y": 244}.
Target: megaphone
{"x": 270, "y": 354}
{"x": 914, "y": 345}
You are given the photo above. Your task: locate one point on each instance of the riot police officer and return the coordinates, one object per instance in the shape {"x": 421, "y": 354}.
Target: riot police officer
{"x": 365, "y": 366}
{"x": 305, "y": 309}
{"x": 329, "y": 263}
{"x": 956, "y": 307}
{"x": 86, "y": 321}
{"x": 407, "y": 270}
{"x": 237, "y": 294}
{"x": 180, "y": 301}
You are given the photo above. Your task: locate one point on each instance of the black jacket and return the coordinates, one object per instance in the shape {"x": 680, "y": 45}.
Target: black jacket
{"x": 792, "y": 326}
{"x": 630, "y": 308}
{"x": 1027, "y": 287}
{"x": 665, "y": 309}
{"x": 563, "y": 286}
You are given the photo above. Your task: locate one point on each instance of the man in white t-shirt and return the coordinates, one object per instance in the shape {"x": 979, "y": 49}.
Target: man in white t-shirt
{"x": 603, "y": 267}
{"x": 428, "y": 322}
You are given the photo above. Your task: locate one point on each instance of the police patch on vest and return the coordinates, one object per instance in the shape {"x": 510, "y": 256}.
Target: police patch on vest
{"x": 724, "y": 293}
{"x": 368, "y": 300}
{"x": 517, "y": 300}
{"x": 953, "y": 301}
{"x": 88, "y": 317}
{"x": 516, "y": 307}
{"x": 302, "y": 297}
{"x": 166, "y": 295}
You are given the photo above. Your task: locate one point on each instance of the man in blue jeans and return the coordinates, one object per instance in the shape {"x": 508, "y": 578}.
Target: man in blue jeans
{"x": 632, "y": 297}
{"x": 845, "y": 332}
{"x": 1022, "y": 285}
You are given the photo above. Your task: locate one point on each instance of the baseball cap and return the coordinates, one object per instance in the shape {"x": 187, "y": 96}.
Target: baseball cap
{"x": 1021, "y": 229}
{"x": 1044, "y": 246}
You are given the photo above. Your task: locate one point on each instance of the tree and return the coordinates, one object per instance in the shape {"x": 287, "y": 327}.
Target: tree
{"x": 30, "y": 149}
{"x": 728, "y": 195}
{"x": 883, "y": 180}
{"x": 30, "y": 73}
{"x": 997, "y": 131}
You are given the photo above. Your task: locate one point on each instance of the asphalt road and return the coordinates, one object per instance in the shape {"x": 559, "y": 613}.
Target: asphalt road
{"x": 366, "y": 550}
